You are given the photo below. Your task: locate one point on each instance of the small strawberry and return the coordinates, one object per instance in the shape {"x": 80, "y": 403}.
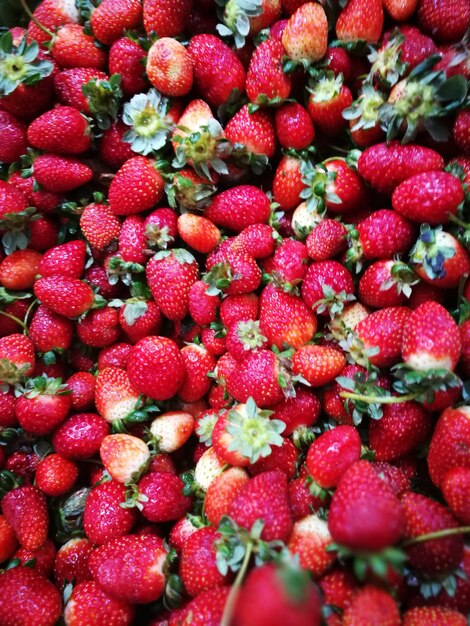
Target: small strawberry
{"x": 115, "y": 397}
{"x": 360, "y": 20}
{"x": 266, "y": 82}
{"x": 166, "y": 19}
{"x": 302, "y": 410}
{"x": 104, "y": 518}
{"x": 371, "y": 605}
{"x": 79, "y": 436}
{"x": 69, "y": 297}
{"x": 124, "y": 457}
{"x": 99, "y": 328}
{"x": 287, "y": 183}
{"x": 326, "y": 240}
{"x": 326, "y": 287}
{"x": 13, "y": 142}
{"x": 127, "y": 58}
{"x": 170, "y": 67}
{"x": 454, "y": 489}
{"x": 140, "y": 174}
{"x": 198, "y": 232}
{"x": 253, "y": 138}
{"x": 460, "y": 131}
{"x": 67, "y": 259}
{"x": 198, "y": 364}
{"x": 162, "y": 497}
{"x": 71, "y": 47}
{"x": 259, "y": 239}
{"x": 18, "y": 270}
{"x": 309, "y": 539}
{"x": 139, "y": 318}
{"x": 17, "y": 358}
{"x": 111, "y": 18}
{"x": 331, "y": 454}
{"x": 25, "y": 510}
{"x": 381, "y": 334}
{"x": 52, "y": 14}
{"x": 239, "y": 207}
{"x": 305, "y": 37}
{"x": 222, "y": 492}
{"x": 328, "y": 98}
{"x": 364, "y": 513}
{"x": 89, "y": 604}
{"x": 172, "y": 429}
{"x": 206, "y": 609}
{"x": 449, "y": 443}
{"x": 400, "y": 10}
{"x": 55, "y": 475}
{"x": 436, "y": 615}
{"x": 8, "y": 541}
{"x": 318, "y": 365}
{"x": 260, "y": 376}
{"x": 43, "y": 405}
{"x": 161, "y": 228}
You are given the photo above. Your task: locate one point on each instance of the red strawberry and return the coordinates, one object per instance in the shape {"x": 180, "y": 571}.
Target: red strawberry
{"x": 305, "y": 37}
{"x": 44, "y": 557}
{"x": 52, "y": 14}
{"x": 424, "y": 516}
{"x": 252, "y": 136}
{"x": 265, "y": 80}
{"x": 383, "y": 330}
{"x": 88, "y": 604}
{"x": 319, "y": 365}
{"x": 69, "y": 297}
{"x": 326, "y": 240}
{"x": 332, "y": 454}
{"x": 202, "y": 306}
{"x": 67, "y": 259}
{"x": 372, "y": 605}
{"x": 79, "y": 436}
{"x": 384, "y": 234}
{"x": 435, "y": 615}
{"x": 206, "y": 609}
{"x": 222, "y": 492}
{"x": 449, "y": 443}
{"x": 170, "y": 67}
{"x": 126, "y": 58}
{"x": 198, "y": 232}
{"x": 446, "y": 22}
{"x": 68, "y": 86}
{"x": 460, "y": 131}
{"x": 338, "y": 588}
{"x": 385, "y": 284}
{"x": 140, "y": 174}
{"x": 82, "y": 387}
{"x": 400, "y": 10}
{"x": 287, "y": 183}
{"x": 115, "y": 397}
{"x": 56, "y": 475}
{"x": 156, "y": 367}
{"x": 104, "y": 518}
{"x": 163, "y": 498}
{"x": 25, "y": 510}
{"x": 166, "y": 19}
{"x": 112, "y": 17}
{"x": 124, "y": 457}
{"x": 60, "y": 174}
{"x": 302, "y": 410}
{"x": 198, "y": 565}
{"x": 264, "y": 497}
{"x": 100, "y": 225}
{"x": 259, "y": 239}
{"x": 170, "y": 275}
{"x": 19, "y": 269}
{"x": 71, "y": 47}
{"x": 328, "y": 98}
{"x": 364, "y": 513}
{"x": 17, "y": 358}
{"x": 12, "y": 199}
{"x": 27, "y": 597}
{"x": 259, "y": 376}
{"x": 130, "y": 568}
{"x": 238, "y": 208}
{"x": 8, "y": 541}
{"x": 455, "y": 489}
{"x": 139, "y": 318}
{"x": 326, "y": 287}
{"x": 309, "y": 539}
{"x": 384, "y": 166}
{"x": 294, "y": 128}
{"x": 198, "y": 364}
{"x": 63, "y": 130}
{"x": 361, "y": 20}
{"x": 44, "y": 404}
{"x": 13, "y": 141}
{"x": 99, "y": 328}
{"x": 431, "y": 338}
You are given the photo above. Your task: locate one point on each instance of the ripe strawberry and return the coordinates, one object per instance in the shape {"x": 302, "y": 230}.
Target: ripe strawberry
{"x": 8, "y": 541}
{"x": 163, "y": 499}
{"x": 326, "y": 240}
{"x": 52, "y": 14}
{"x": 259, "y": 376}
{"x": 67, "y": 259}
{"x": 170, "y": 67}
{"x": 63, "y": 130}
{"x": 238, "y": 308}
{"x": 360, "y": 20}
{"x": 55, "y": 475}
{"x": 319, "y": 365}
{"x": 206, "y": 609}
{"x": 69, "y": 297}
{"x": 423, "y": 516}
{"x": 302, "y": 410}
{"x": 25, "y": 510}
{"x": 166, "y": 19}
{"x": 79, "y": 436}
{"x": 68, "y": 86}
{"x": 43, "y": 405}
{"x": 100, "y": 225}
{"x": 455, "y": 488}
{"x": 99, "y": 328}
{"x": 281, "y": 604}
{"x": 71, "y": 47}
{"x": 198, "y": 364}
{"x": 431, "y": 338}
{"x": 287, "y": 183}
{"x": 13, "y": 142}
{"x": 305, "y": 37}
{"x": 114, "y": 356}
{"x": 198, "y": 232}
{"x": 130, "y": 568}
{"x": 449, "y": 443}
{"x": 364, "y": 513}
{"x": 265, "y": 80}
{"x": 239, "y": 207}
{"x": 383, "y": 330}
{"x": 111, "y": 18}
{"x": 104, "y": 519}
{"x": 252, "y": 136}
{"x": 384, "y": 234}
{"x": 338, "y": 588}
{"x": 198, "y": 566}
{"x": 328, "y": 98}
{"x": 60, "y": 174}
{"x": 28, "y": 597}
{"x": 222, "y": 492}
{"x": 400, "y": 10}
{"x": 309, "y": 539}
{"x": 372, "y": 605}
{"x": 140, "y": 174}
{"x": 326, "y": 287}
{"x": 18, "y": 270}
{"x": 126, "y": 58}
{"x": 17, "y": 358}
{"x": 89, "y": 604}
{"x": 444, "y": 22}
{"x": 294, "y": 128}
{"x": 332, "y": 454}
{"x": 13, "y": 200}
{"x": 259, "y": 239}
{"x": 436, "y": 615}
{"x": 264, "y": 497}
{"x": 124, "y": 457}
{"x": 460, "y": 131}
{"x": 161, "y": 228}
{"x": 139, "y": 318}
{"x": 401, "y": 428}
{"x": 156, "y": 367}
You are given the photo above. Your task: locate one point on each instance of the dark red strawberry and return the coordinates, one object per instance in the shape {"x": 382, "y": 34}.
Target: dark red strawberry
{"x": 239, "y": 207}
{"x": 449, "y": 443}
{"x": 455, "y": 488}
{"x": 381, "y": 332}
{"x": 104, "y": 518}
{"x": 43, "y": 405}
{"x": 88, "y": 603}
{"x": 112, "y": 17}
{"x": 79, "y": 436}
{"x": 13, "y": 141}
{"x": 294, "y": 128}
{"x": 67, "y": 259}
{"x": 59, "y": 173}
{"x": 328, "y": 98}
{"x": 25, "y": 509}
{"x": 198, "y": 565}
{"x": 166, "y": 19}
{"x": 445, "y": 22}
{"x": 164, "y": 500}
{"x": 140, "y": 174}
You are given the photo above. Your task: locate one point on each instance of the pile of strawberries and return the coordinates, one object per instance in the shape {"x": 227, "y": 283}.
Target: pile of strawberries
{"x": 235, "y": 313}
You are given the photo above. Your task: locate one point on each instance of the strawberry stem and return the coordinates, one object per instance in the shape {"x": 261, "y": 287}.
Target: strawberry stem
{"x": 377, "y": 399}
{"x": 455, "y": 220}
{"x": 233, "y": 594}
{"x": 438, "y": 534}
{"x": 28, "y": 12}
{"x": 15, "y": 319}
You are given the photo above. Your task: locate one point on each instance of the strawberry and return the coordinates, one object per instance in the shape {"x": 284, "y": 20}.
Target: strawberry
{"x": 326, "y": 287}
{"x": 454, "y": 488}
{"x": 449, "y": 443}
{"x": 139, "y": 318}
{"x": 338, "y": 588}
{"x": 156, "y": 367}
{"x": 127, "y": 58}
{"x": 140, "y": 174}
{"x": 208, "y": 467}
{"x": 202, "y": 306}
{"x": 52, "y": 14}
{"x": 55, "y": 475}
{"x": 401, "y": 428}
{"x": 59, "y": 173}
{"x": 166, "y": 19}
{"x": 318, "y": 364}
{"x": 218, "y": 73}
{"x": 104, "y": 518}
{"x": 385, "y": 166}
{"x": 161, "y": 228}
{"x": 239, "y": 207}
{"x": 364, "y": 513}
{"x": 170, "y": 275}
{"x": 71, "y": 562}
{"x": 289, "y": 263}
{"x": 326, "y": 240}
{"x": 44, "y": 557}
{"x": 294, "y": 128}
{"x": 198, "y": 364}
{"x": 372, "y": 605}
{"x": 115, "y": 397}
{"x": 425, "y": 516}
{"x": 71, "y": 47}
{"x": 383, "y": 331}
{"x": 69, "y": 297}
{"x": 222, "y": 492}
{"x": 130, "y": 568}
{"x": 259, "y": 376}
{"x": 68, "y": 86}
{"x": 171, "y": 430}
{"x": 460, "y": 131}
{"x": 79, "y": 436}
{"x": 265, "y": 81}
{"x": 400, "y": 10}
{"x": 238, "y": 308}
{"x": 198, "y": 232}
{"x": 17, "y": 358}
{"x": 206, "y": 609}
{"x": 100, "y": 225}
{"x": 444, "y": 22}
{"x": 309, "y": 539}
{"x": 112, "y": 17}
{"x": 386, "y": 283}
{"x": 114, "y": 356}
{"x": 63, "y": 130}
{"x": 305, "y": 37}
{"x": 287, "y": 593}
{"x": 287, "y": 183}
{"x": 25, "y": 510}
{"x": 328, "y": 98}
{"x": 431, "y": 338}
{"x": 252, "y": 136}
{"x": 360, "y": 20}
{"x": 170, "y": 67}
{"x": 67, "y": 259}
{"x": 13, "y": 200}
{"x": 26, "y": 596}
{"x": 13, "y": 141}
{"x": 43, "y": 405}
{"x": 162, "y": 497}
{"x": 436, "y": 615}
{"x": 332, "y": 454}
{"x": 8, "y": 541}
{"x": 259, "y": 239}
{"x": 125, "y": 457}
{"x": 89, "y": 604}
{"x": 99, "y": 328}
{"x": 18, "y": 270}
{"x": 301, "y": 410}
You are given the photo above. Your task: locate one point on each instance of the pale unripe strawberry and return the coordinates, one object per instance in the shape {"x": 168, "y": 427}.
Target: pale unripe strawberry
{"x": 309, "y": 539}
{"x": 124, "y": 456}
{"x": 207, "y": 468}
{"x": 172, "y": 430}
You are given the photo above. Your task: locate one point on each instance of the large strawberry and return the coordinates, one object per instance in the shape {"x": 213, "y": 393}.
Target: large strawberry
{"x": 306, "y": 33}
{"x": 43, "y": 405}
{"x": 166, "y": 18}
{"x": 112, "y": 17}
{"x": 360, "y": 20}
{"x": 104, "y": 518}
{"x": 266, "y": 82}
{"x": 140, "y": 174}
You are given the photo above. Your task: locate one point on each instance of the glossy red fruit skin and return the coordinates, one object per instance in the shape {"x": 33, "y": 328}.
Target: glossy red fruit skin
{"x": 455, "y": 487}
{"x": 71, "y": 561}
{"x": 444, "y": 21}
{"x": 294, "y": 128}
{"x": 55, "y": 475}
{"x": 198, "y": 567}
{"x": 25, "y": 509}
{"x": 104, "y": 519}
{"x": 332, "y": 453}
{"x": 90, "y": 604}
{"x": 384, "y": 234}
{"x": 166, "y": 501}
{"x": 303, "y": 410}
{"x": 79, "y": 436}
{"x": 384, "y": 329}
{"x": 449, "y": 443}
{"x": 372, "y": 604}
{"x": 436, "y": 615}
{"x": 13, "y": 142}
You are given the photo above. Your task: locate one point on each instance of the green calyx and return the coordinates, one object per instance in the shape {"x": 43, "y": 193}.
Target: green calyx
{"x": 118, "y": 269}
{"x": 43, "y": 386}
{"x": 250, "y": 335}
{"x": 204, "y": 149}
{"x": 423, "y": 385}
{"x": 365, "y": 397}
{"x": 187, "y": 194}
{"x": 253, "y": 433}
{"x": 326, "y": 87}
{"x": 20, "y": 64}
{"x": 205, "y": 427}
{"x": 365, "y": 110}
{"x": 387, "y": 66}
{"x": 10, "y": 373}
{"x": 104, "y": 99}
{"x": 150, "y": 126}
{"x": 429, "y": 253}
{"x": 319, "y": 186}
{"x": 183, "y": 256}
{"x": 402, "y": 278}
{"x": 218, "y": 278}
{"x": 377, "y": 563}
{"x": 333, "y": 302}
{"x": 158, "y": 237}
{"x": 236, "y": 18}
